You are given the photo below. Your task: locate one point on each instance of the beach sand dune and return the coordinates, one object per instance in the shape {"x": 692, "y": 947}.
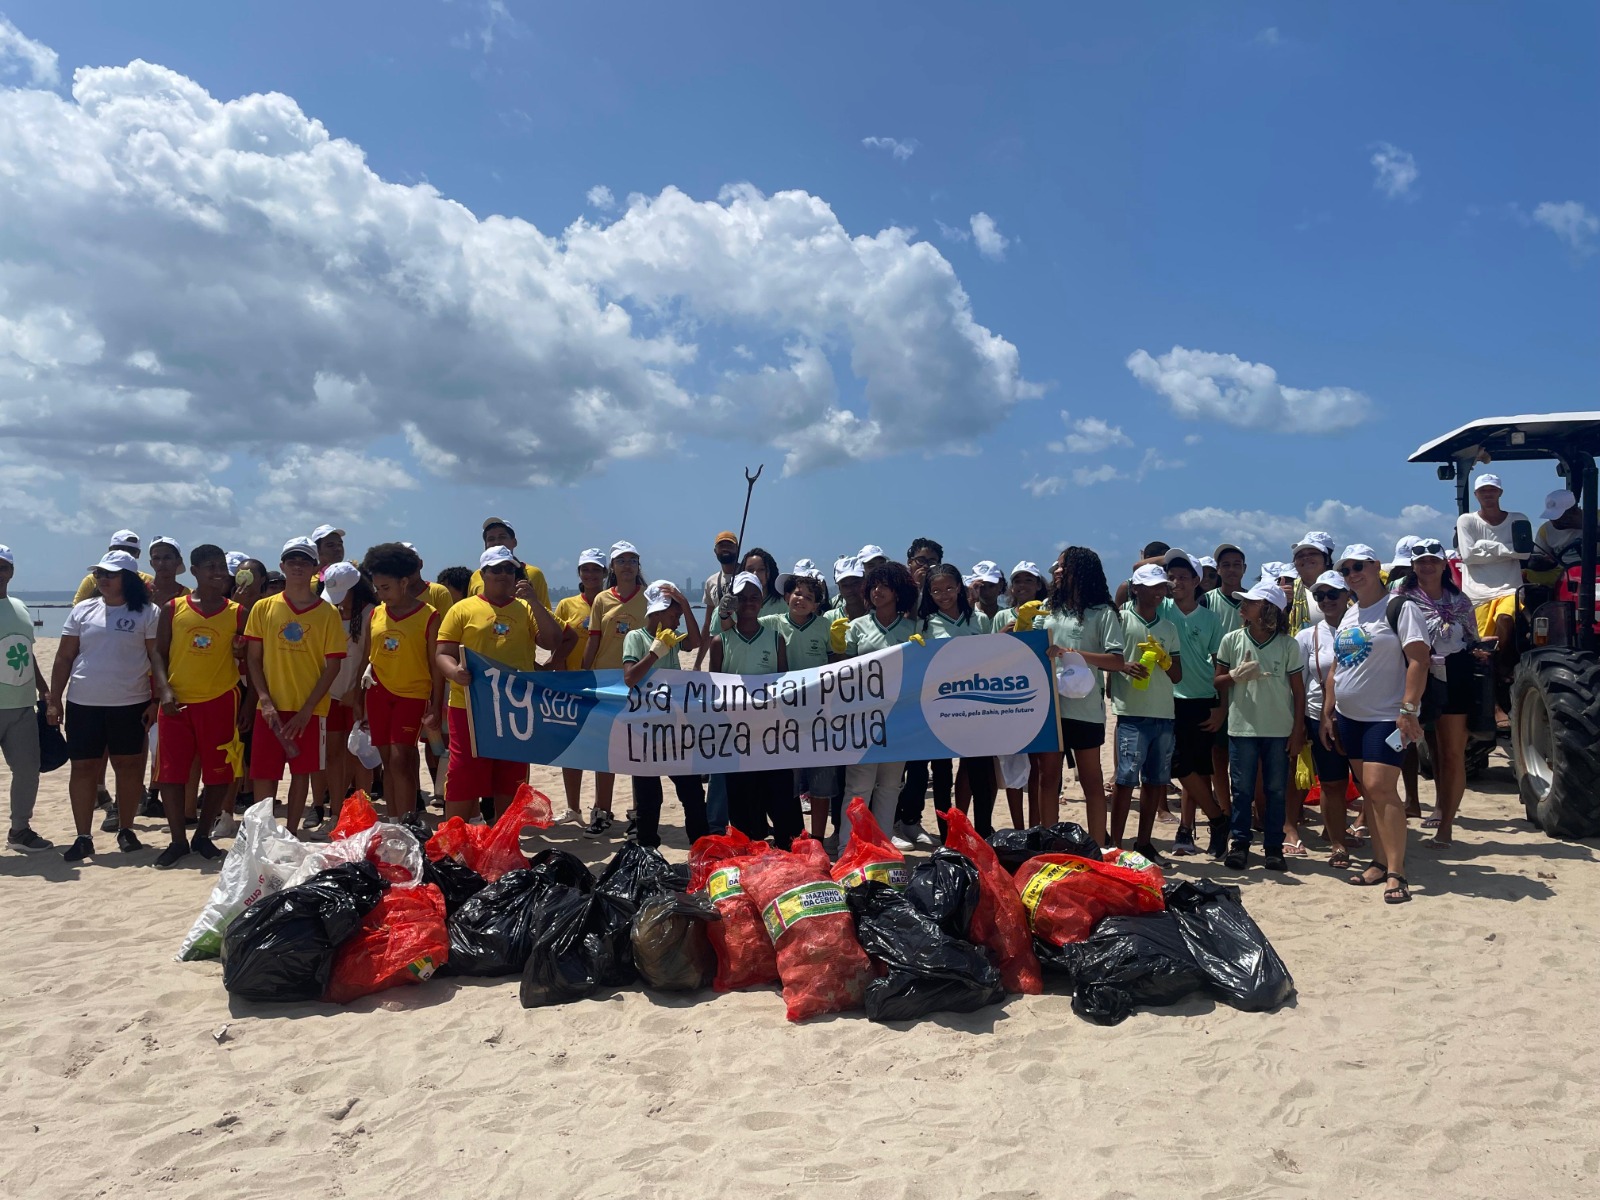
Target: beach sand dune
{"x": 1443, "y": 1048}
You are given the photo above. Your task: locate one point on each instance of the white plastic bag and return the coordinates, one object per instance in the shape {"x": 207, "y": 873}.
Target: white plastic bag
{"x": 390, "y": 847}
{"x": 360, "y": 744}
{"x": 1074, "y": 679}
{"x": 263, "y": 857}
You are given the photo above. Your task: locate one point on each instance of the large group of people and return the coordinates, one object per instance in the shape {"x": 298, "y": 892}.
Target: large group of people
{"x": 1226, "y": 691}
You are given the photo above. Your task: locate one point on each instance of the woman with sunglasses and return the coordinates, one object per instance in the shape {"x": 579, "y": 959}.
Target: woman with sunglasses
{"x": 1331, "y": 598}
{"x": 1376, "y": 665}
{"x": 1445, "y": 691}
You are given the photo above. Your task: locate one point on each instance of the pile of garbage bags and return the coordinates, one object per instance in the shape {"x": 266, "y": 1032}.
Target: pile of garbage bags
{"x": 385, "y": 904}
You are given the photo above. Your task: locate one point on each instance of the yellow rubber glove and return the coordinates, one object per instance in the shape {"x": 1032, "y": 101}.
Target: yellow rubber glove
{"x": 666, "y": 641}
{"x": 836, "y": 632}
{"x": 1026, "y": 614}
{"x": 917, "y": 638}
{"x": 1151, "y": 646}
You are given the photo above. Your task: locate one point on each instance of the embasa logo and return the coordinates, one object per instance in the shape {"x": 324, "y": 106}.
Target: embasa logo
{"x": 989, "y": 689}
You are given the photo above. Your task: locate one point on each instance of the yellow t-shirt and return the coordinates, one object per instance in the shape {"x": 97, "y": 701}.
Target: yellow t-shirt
{"x": 86, "y": 589}
{"x": 573, "y": 613}
{"x": 437, "y": 597}
{"x": 398, "y": 650}
{"x": 295, "y": 645}
{"x": 541, "y": 589}
{"x": 609, "y": 620}
{"x": 505, "y": 634}
{"x": 200, "y": 663}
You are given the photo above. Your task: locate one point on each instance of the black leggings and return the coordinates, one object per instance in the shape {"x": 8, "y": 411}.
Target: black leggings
{"x": 647, "y": 807}
{"x": 913, "y": 793}
{"x": 763, "y": 803}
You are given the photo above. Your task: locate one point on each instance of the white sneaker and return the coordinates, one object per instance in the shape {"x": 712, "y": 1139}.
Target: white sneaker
{"x": 573, "y": 816}
{"x": 915, "y": 834}
{"x": 900, "y": 843}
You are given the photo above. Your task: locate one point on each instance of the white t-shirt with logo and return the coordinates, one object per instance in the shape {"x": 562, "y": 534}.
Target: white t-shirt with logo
{"x": 112, "y": 667}
{"x": 1369, "y": 673}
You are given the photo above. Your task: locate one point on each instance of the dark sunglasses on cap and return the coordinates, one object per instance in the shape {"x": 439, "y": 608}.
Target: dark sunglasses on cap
{"x": 1427, "y": 548}
{"x": 1354, "y": 568}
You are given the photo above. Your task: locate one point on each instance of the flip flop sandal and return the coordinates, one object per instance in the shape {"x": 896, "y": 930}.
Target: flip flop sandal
{"x": 1361, "y": 880}
{"x": 1431, "y": 823}
{"x": 1396, "y": 895}
{"x": 1294, "y": 850}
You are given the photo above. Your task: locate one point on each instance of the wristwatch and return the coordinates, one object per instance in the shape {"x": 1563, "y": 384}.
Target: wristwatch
{"x": 1409, "y": 710}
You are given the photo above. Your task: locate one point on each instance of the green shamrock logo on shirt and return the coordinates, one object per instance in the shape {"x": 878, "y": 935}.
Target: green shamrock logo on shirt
{"x": 17, "y": 658}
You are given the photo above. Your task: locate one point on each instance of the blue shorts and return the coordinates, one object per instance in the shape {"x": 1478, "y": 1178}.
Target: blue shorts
{"x": 1144, "y": 751}
{"x": 1367, "y": 740}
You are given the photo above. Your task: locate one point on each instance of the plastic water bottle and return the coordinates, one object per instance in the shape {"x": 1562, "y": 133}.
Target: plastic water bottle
{"x": 438, "y": 744}
{"x": 1147, "y": 660}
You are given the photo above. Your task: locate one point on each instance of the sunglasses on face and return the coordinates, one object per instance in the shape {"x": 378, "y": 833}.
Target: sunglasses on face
{"x": 1353, "y": 569}
{"x": 1325, "y": 597}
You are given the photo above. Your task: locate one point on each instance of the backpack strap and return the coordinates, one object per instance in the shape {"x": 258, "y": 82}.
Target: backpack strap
{"x": 1392, "y": 611}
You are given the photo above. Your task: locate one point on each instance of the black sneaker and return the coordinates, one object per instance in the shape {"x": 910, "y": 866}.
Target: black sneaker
{"x": 172, "y": 855}
{"x": 599, "y": 823}
{"x": 26, "y": 840}
{"x": 1183, "y": 844}
{"x": 204, "y": 846}
{"x": 1149, "y": 850}
{"x": 1217, "y": 845}
{"x": 111, "y": 824}
{"x": 81, "y": 848}
{"x": 1275, "y": 862}
{"x": 102, "y": 799}
{"x": 128, "y": 841}
{"x": 1238, "y": 856}
{"x": 150, "y": 804}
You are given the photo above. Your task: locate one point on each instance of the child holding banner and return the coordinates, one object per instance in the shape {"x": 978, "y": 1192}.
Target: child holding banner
{"x": 756, "y": 798}
{"x": 946, "y": 611}
{"x": 890, "y": 621}
{"x": 615, "y": 611}
{"x": 806, "y": 635}
{"x": 572, "y": 614}
{"x": 643, "y": 650}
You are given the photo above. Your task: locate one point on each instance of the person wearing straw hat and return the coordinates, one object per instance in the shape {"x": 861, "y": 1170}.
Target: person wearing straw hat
{"x": 21, "y": 683}
{"x": 100, "y": 685}
{"x": 125, "y": 540}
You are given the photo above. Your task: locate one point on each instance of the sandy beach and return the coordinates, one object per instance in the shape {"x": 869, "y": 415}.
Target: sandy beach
{"x": 1442, "y": 1048}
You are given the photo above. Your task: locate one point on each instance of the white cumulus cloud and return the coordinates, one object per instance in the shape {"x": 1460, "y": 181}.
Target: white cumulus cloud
{"x": 901, "y": 148}
{"x": 227, "y": 276}
{"x": 599, "y": 196}
{"x": 21, "y": 56}
{"x": 1089, "y": 476}
{"x": 1089, "y": 435}
{"x": 1396, "y": 170}
{"x": 1571, "y": 222}
{"x": 1201, "y": 385}
{"x": 987, "y": 237}
{"x": 1274, "y": 533}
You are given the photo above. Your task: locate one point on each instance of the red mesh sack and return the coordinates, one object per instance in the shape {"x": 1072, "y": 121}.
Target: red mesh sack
{"x": 809, "y": 848}
{"x": 492, "y": 850}
{"x": 402, "y": 940}
{"x": 821, "y": 964}
{"x": 999, "y": 921}
{"x": 356, "y": 816}
{"x": 1065, "y": 896}
{"x": 715, "y": 848}
{"x": 745, "y": 956}
{"x": 870, "y": 854}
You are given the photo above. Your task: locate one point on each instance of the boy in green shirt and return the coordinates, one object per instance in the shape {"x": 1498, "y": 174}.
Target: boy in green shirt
{"x": 643, "y": 650}
{"x": 1198, "y": 714}
{"x": 1144, "y": 703}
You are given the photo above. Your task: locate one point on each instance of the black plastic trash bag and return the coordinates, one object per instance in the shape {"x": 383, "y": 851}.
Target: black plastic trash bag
{"x": 945, "y": 889}
{"x": 671, "y": 948}
{"x": 282, "y": 947}
{"x": 1013, "y": 847}
{"x": 1242, "y": 967}
{"x": 492, "y": 932}
{"x": 929, "y": 971}
{"x": 636, "y": 873}
{"x": 580, "y": 945}
{"x": 52, "y": 743}
{"x": 556, "y": 868}
{"x": 457, "y": 881}
{"x": 1126, "y": 963}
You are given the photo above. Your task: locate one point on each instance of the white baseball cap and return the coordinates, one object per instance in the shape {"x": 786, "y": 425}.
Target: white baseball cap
{"x": 116, "y": 560}
{"x": 1330, "y": 579}
{"x": 1427, "y": 547}
{"x": 1205, "y": 561}
{"x": 125, "y": 537}
{"x": 593, "y": 555}
{"x": 236, "y": 559}
{"x": 495, "y": 555}
{"x": 1277, "y": 570}
{"x": 162, "y": 540}
{"x": 986, "y": 572}
{"x": 742, "y": 579}
{"x": 1357, "y": 551}
{"x": 1557, "y": 504}
{"x": 621, "y": 548}
{"x": 299, "y": 545}
{"x": 337, "y": 581}
{"x": 1150, "y": 575}
{"x": 656, "y": 598}
{"x": 848, "y": 567}
{"x": 322, "y": 531}
{"x": 869, "y": 552}
{"x": 1402, "y": 552}
{"x": 802, "y": 567}
{"x": 1027, "y": 567}
{"x": 1175, "y": 556}
{"x": 6, "y": 555}
{"x": 1486, "y": 480}
{"x": 1265, "y": 590}
{"x": 1314, "y": 540}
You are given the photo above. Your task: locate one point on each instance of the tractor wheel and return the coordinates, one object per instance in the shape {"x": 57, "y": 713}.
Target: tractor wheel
{"x": 1555, "y": 740}
{"x": 1478, "y": 752}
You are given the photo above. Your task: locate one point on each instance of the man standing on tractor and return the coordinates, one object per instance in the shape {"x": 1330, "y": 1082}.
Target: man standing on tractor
{"x": 1491, "y": 568}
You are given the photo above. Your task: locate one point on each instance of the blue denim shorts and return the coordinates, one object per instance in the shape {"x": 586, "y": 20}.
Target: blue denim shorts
{"x": 1144, "y": 751}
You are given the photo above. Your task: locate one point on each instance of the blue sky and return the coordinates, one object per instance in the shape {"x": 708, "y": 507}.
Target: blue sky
{"x": 951, "y": 225}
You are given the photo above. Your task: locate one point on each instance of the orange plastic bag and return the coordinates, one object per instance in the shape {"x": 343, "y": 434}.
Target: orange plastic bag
{"x": 820, "y": 962}
{"x": 402, "y": 940}
{"x": 714, "y": 848}
{"x": 1065, "y": 896}
{"x": 745, "y": 955}
{"x": 356, "y": 816}
{"x": 492, "y": 850}
{"x": 870, "y": 854}
{"x": 809, "y": 848}
{"x": 999, "y": 921}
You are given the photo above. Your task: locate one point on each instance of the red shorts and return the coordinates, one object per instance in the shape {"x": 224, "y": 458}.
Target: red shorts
{"x": 393, "y": 720}
{"x": 267, "y": 758}
{"x": 341, "y": 718}
{"x": 201, "y": 731}
{"x": 471, "y": 778}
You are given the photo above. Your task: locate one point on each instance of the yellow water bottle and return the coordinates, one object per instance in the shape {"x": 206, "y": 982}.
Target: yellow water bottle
{"x": 1147, "y": 660}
